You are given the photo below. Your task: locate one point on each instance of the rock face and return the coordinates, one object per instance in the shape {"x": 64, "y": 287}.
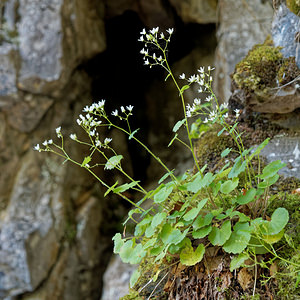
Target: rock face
{"x": 285, "y": 32}
{"x": 287, "y": 149}
{"x": 48, "y": 245}
{"x": 242, "y": 25}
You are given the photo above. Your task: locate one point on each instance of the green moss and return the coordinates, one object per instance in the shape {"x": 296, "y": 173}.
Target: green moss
{"x": 288, "y": 71}
{"x": 133, "y": 295}
{"x": 258, "y": 70}
{"x": 294, "y": 6}
{"x": 210, "y": 146}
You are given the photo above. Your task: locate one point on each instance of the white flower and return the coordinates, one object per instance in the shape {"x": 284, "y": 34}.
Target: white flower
{"x": 92, "y": 132}
{"x": 226, "y": 115}
{"x": 115, "y": 112}
{"x": 58, "y": 131}
{"x": 200, "y": 90}
{"x": 205, "y": 121}
{"x": 98, "y": 143}
{"x": 170, "y": 30}
{"x": 45, "y": 143}
{"x": 159, "y": 58}
{"x": 88, "y": 116}
{"x": 224, "y": 105}
{"x": 129, "y": 107}
{"x": 101, "y": 104}
{"x": 154, "y": 56}
{"x": 154, "y": 30}
{"x": 73, "y": 136}
{"x": 201, "y": 70}
{"x": 209, "y": 68}
{"x": 141, "y": 39}
{"x": 237, "y": 112}
{"x": 37, "y": 148}
{"x": 143, "y": 51}
{"x": 182, "y": 76}
{"x": 162, "y": 36}
{"x": 146, "y": 62}
{"x": 86, "y": 109}
{"x": 201, "y": 82}
{"x": 208, "y": 98}
{"x": 197, "y": 101}
{"x": 79, "y": 122}
{"x": 107, "y": 140}
{"x": 50, "y": 142}
{"x": 143, "y": 31}
{"x": 192, "y": 78}
{"x": 122, "y": 109}
{"x": 188, "y": 114}
{"x": 210, "y": 78}
{"x": 212, "y": 115}
{"x": 82, "y": 117}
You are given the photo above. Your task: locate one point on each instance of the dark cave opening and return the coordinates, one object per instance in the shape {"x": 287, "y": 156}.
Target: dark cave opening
{"x": 119, "y": 75}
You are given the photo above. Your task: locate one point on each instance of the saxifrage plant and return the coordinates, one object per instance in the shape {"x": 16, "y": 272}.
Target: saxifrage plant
{"x": 200, "y": 208}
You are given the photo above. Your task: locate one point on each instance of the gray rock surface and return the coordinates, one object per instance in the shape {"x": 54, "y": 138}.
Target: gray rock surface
{"x": 285, "y": 32}
{"x": 286, "y": 149}
{"x": 242, "y": 25}
{"x": 195, "y": 11}
{"x": 117, "y": 275}
{"x": 48, "y": 245}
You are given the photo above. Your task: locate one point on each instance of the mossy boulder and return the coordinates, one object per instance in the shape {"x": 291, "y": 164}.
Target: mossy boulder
{"x": 258, "y": 70}
{"x": 265, "y": 81}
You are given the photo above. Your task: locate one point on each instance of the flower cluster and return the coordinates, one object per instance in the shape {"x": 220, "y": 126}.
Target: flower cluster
{"x": 95, "y": 107}
{"x": 159, "y": 41}
{"x": 89, "y": 120}
{"x": 123, "y": 110}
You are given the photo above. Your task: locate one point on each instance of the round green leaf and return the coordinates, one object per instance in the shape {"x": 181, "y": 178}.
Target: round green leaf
{"x": 157, "y": 219}
{"x": 239, "y": 238}
{"x": 237, "y": 261}
{"x": 248, "y": 197}
{"x": 279, "y": 219}
{"x": 229, "y": 185}
{"x": 219, "y": 236}
{"x": 163, "y": 194}
{"x": 134, "y": 278}
{"x": 189, "y": 257}
{"x": 202, "y": 232}
{"x": 118, "y": 242}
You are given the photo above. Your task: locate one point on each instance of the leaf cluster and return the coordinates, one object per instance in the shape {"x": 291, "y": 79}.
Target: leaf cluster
{"x": 184, "y": 219}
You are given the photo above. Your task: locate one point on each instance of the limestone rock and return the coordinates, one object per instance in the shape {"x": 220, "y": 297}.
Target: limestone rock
{"x": 152, "y": 13}
{"x": 116, "y": 279}
{"x": 195, "y": 11}
{"x": 50, "y": 46}
{"x": 287, "y": 149}
{"x": 277, "y": 100}
{"x": 242, "y": 25}
{"x": 7, "y": 72}
{"x": 285, "y": 32}
{"x": 29, "y": 242}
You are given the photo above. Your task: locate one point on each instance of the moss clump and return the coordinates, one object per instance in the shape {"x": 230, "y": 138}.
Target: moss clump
{"x": 133, "y": 295}
{"x": 210, "y": 146}
{"x": 258, "y": 70}
{"x": 294, "y": 6}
